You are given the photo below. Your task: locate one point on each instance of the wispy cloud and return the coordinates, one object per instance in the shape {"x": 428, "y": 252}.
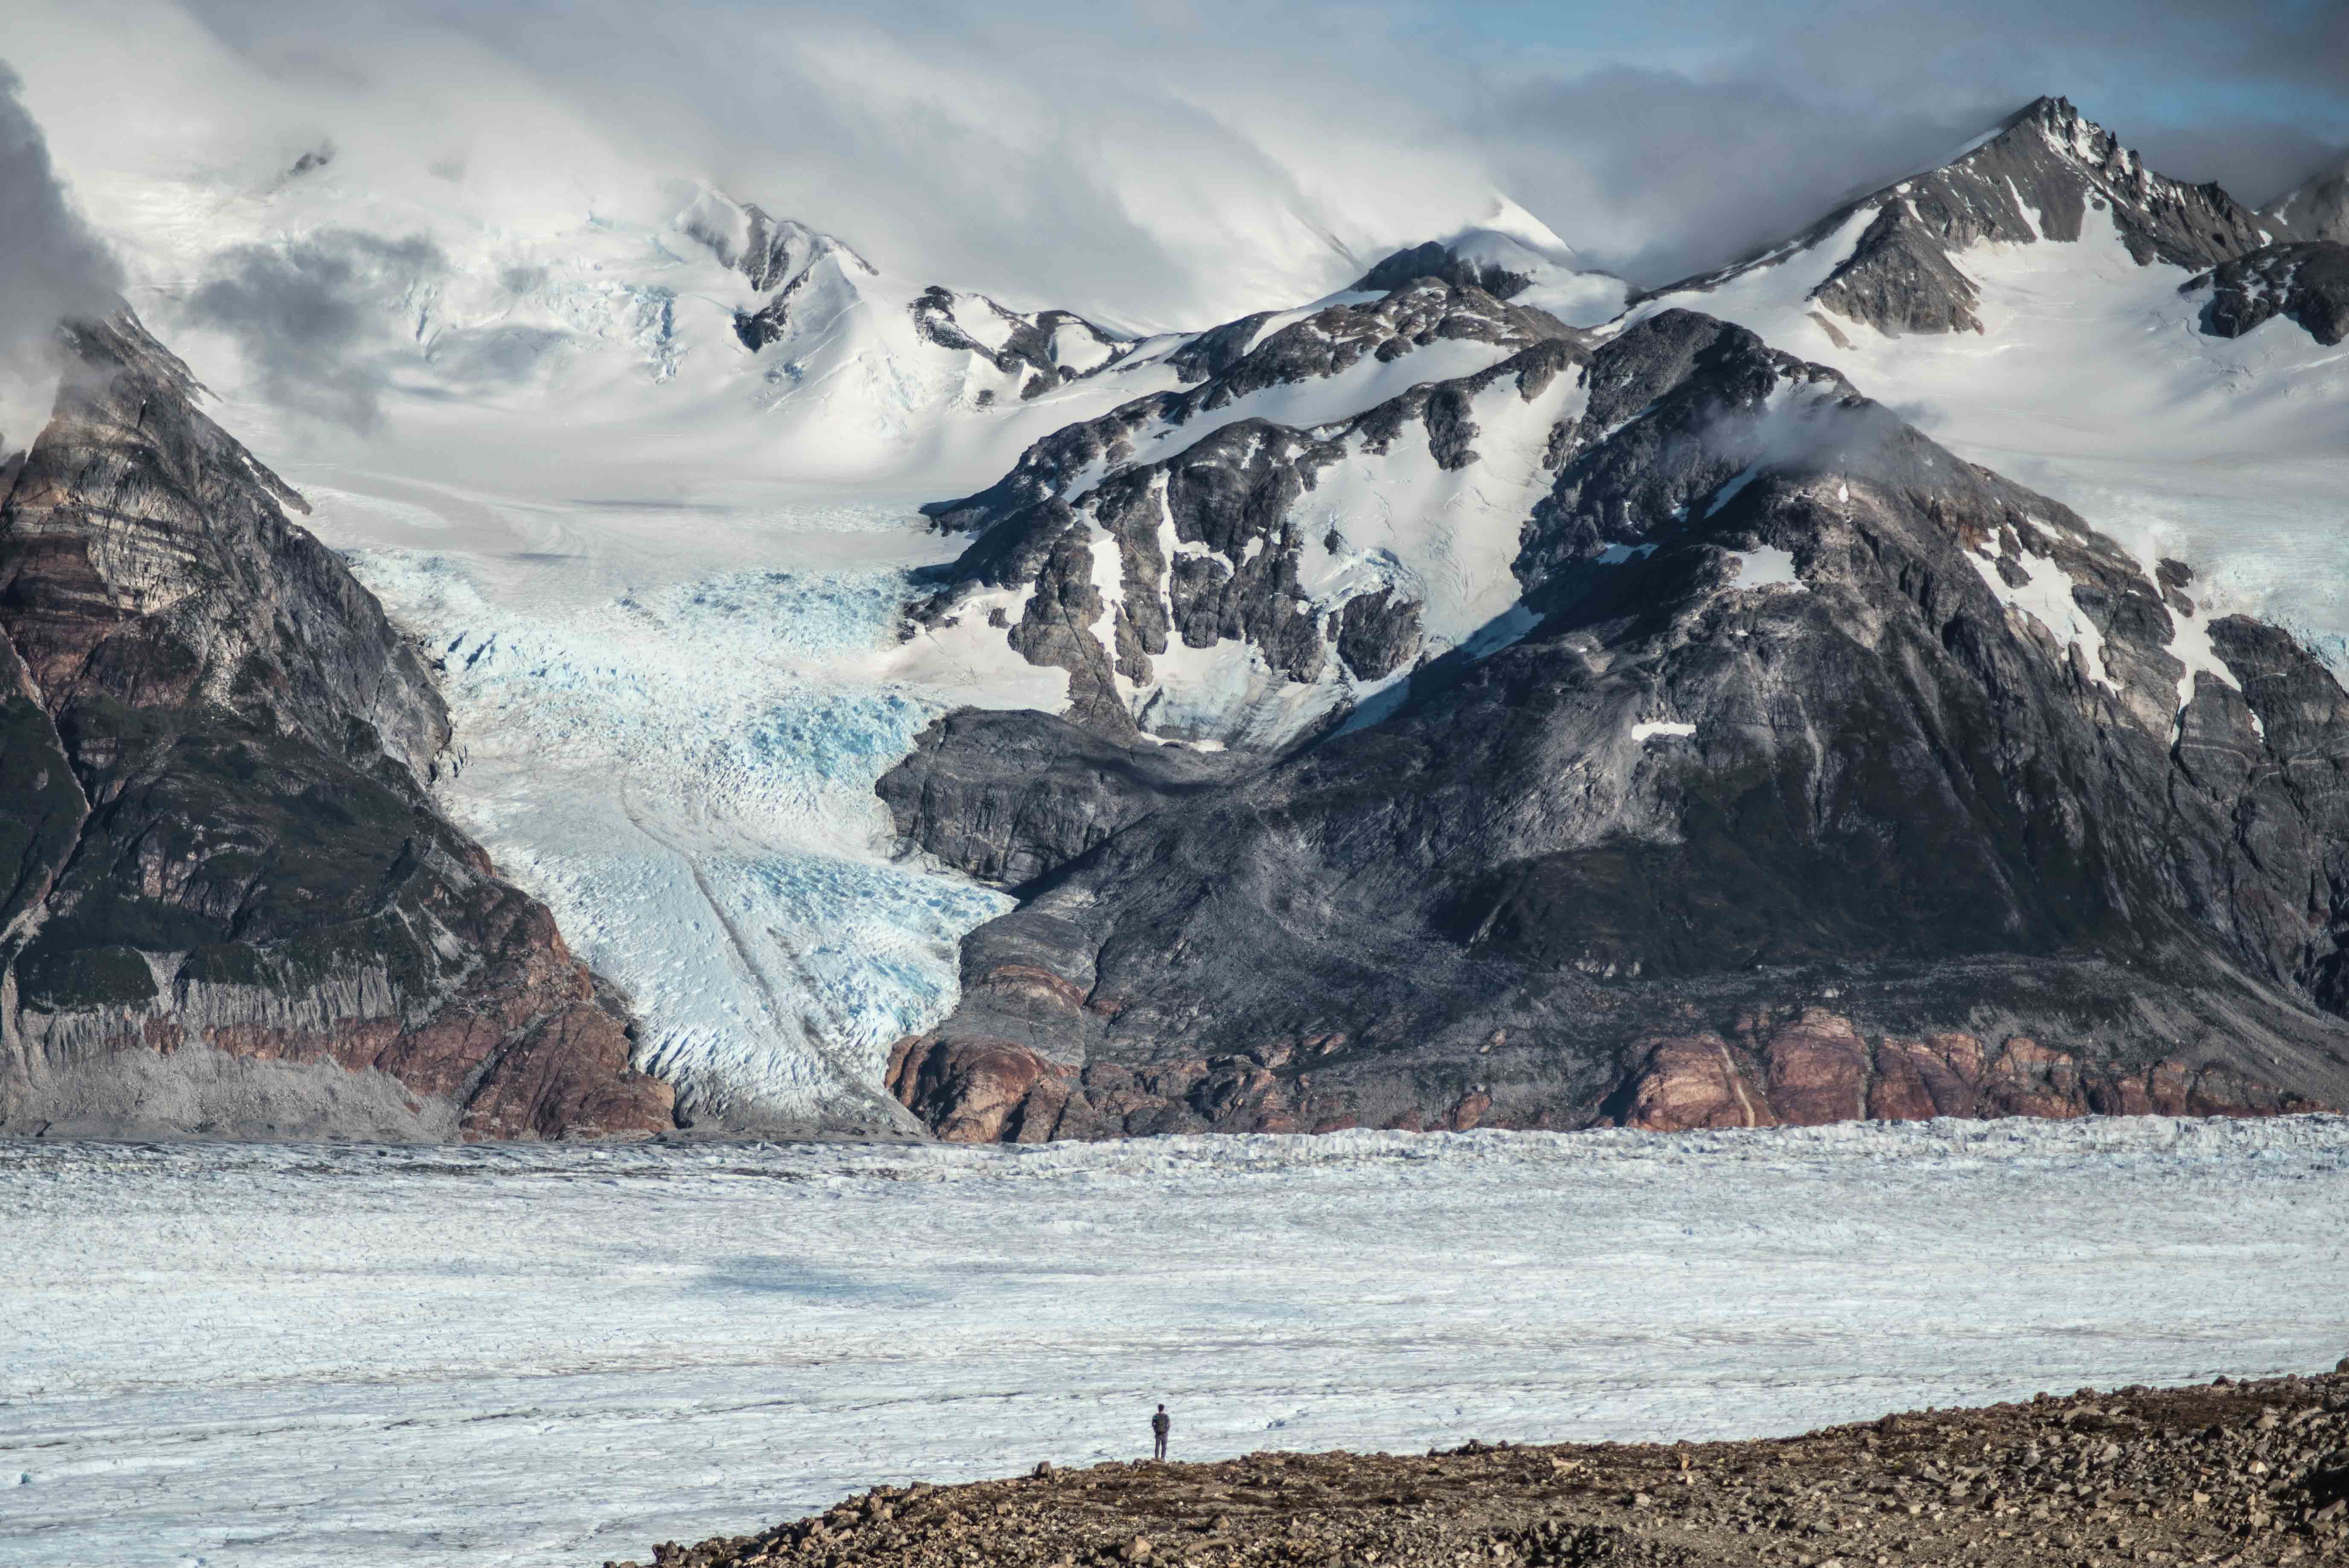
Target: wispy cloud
{"x": 52, "y": 268}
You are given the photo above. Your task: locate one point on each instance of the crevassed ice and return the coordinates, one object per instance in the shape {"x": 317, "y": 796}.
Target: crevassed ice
{"x": 676, "y": 774}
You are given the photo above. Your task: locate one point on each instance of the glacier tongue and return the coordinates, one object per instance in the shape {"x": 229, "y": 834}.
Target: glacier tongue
{"x": 669, "y": 726}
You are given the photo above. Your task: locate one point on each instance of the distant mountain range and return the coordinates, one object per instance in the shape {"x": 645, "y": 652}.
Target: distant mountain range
{"x": 1492, "y": 697}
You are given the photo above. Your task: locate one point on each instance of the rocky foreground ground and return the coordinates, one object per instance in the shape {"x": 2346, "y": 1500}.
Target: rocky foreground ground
{"x": 2227, "y": 1474}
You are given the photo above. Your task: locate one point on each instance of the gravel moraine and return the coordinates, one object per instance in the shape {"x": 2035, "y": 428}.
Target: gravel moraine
{"x": 2227, "y": 1475}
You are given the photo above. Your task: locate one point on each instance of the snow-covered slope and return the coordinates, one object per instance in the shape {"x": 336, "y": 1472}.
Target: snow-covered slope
{"x": 1512, "y": 256}
{"x": 1248, "y": 559}
{"x": 585, "y": 340}
{"x": 2041, "y": 329}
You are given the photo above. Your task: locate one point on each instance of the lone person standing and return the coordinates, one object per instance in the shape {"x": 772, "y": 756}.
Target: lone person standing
{"x": 1159, "y": 1424}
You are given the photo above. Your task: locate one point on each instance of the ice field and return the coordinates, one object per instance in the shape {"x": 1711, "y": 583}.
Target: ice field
{"x": 669, "y": 721}
{"x": 268, "y": 1358}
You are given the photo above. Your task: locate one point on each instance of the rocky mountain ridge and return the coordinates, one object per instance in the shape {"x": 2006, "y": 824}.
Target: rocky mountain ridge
{"x": 1829, "y": 775}
{"x": 2306, "y": 282}
{"x": 800, "y": 272}
{"x": 232, "y": 907}
{"x": 1203, "y": 562}
{"x": 2042, "y": 176}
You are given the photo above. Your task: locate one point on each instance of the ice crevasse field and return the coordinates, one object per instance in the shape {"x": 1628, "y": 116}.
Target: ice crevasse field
{"x": 669, "y": 722}
{"x": 306, "y": 1356}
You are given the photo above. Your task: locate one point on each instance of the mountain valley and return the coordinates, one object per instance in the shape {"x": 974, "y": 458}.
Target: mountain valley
{"x": 1887, "y": 677}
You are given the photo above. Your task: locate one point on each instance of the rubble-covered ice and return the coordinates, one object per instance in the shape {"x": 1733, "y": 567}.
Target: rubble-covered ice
{"x": 350, "y": 1357}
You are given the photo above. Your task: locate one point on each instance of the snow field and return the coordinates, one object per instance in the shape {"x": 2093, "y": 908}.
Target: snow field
{"x": 266, "y": 1358}
{"x": 2092, "y": 383}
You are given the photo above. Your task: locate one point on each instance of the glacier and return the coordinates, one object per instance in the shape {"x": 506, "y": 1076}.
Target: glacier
{"x": 669, "y": 724}
{"x": 533, "y": 1356}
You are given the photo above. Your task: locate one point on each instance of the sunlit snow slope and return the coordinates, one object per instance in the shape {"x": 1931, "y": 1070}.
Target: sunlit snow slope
{"x": 2093, "y": 381}
{"x": 354, "y": 1358}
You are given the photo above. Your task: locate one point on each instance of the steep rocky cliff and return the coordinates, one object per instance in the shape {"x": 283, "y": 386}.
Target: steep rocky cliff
{"x": 232, "y": 906}
{"x": 1832, "y": 776}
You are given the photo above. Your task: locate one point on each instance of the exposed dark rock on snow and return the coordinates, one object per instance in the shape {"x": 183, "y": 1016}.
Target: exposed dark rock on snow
{"x": 767, "y": 253}
{"x": 217, "y": 850}
{"x": 2305, "y": 283}
{"x": 1230, "y": 364}
{"x": 2047, "y": 175}
{"x": 1437, "y": 260}
{"x": 1026, "y": 341}
{"x": 1230, "y": 498}
{"x": 1872, "y": 738}
{"x": 787, "y": 261}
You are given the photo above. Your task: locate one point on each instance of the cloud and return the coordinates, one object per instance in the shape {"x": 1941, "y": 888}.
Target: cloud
{"x": 1177, "y": 164}
{"x": 52, "y": 269}
{"x": 309, "y": 318}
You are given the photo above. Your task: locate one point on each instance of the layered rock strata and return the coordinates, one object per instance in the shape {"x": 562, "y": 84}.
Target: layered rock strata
{"x": 232, "y": 905}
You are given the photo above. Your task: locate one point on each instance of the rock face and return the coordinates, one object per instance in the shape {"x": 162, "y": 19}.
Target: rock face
{"x": 1814, "y": 1067}
{"x": 1445, "y": 264}
{"x": 232, "y": 906}
{"x": 1833, "y": 777}
{"x": 1007, "y": 796}
{"x": 2305, "y": 283}
{"x": 1206, "y": 570}
{"x": 2047, "y": 175}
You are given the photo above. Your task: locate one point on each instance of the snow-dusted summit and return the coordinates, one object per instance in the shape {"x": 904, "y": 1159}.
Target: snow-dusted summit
{"x": 1511, "y": 255}
{"x": 2048, "y": 173}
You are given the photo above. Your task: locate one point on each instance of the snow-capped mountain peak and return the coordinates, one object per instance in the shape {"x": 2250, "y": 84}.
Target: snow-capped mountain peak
{"x": 1511, "y": 255}
{"x": 767, "y": 253}
{"x": 2045, "y": 174}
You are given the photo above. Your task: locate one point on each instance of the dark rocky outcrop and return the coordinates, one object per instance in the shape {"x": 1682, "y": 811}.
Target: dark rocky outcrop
{"x": 1945, "y": 771}
{"x": 1436, "y": 260}
{"x": 1005, "y": 797}
{"x": 1228, "y": 363}
{"x": 2307, "y": 283}
{"x": 1028, "y": 341}
{"x": 232, "y": 905}
{"x": 2042, "y": 177}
